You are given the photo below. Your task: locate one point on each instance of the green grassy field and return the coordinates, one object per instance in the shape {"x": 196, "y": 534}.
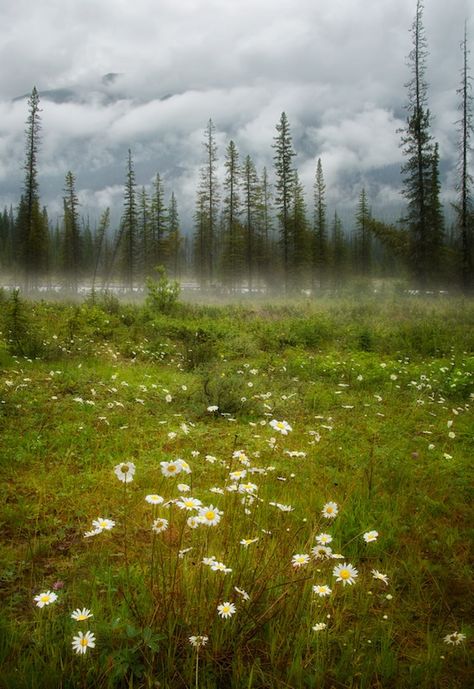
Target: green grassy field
{"x": 378, "y": 394}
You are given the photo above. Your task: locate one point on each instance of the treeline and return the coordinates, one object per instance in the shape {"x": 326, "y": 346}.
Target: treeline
{"x": 255, "y": 229}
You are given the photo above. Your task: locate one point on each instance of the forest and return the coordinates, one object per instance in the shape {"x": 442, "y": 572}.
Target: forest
{"x": 255, "y": 230}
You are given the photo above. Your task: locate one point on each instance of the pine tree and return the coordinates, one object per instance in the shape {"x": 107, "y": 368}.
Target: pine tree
{"x": 231, "y": 250}
{"x": 363, "y": 236}
{"x": 285, "y": 179}
{"x": 320, "y": 245}
{"x": 174, "y": 238}
{"x": 338, "y": 252}
{"x": 100, "y": 243}
{"x": 71, "y": 253}
{"x": 207, "y": 208}
{"x": 145, "y": 233}
{"x": 252, "y": 219}
{"x": 418, "y": 170}
{"x": 159, "y": 224}
{"x": 464, "y": 207}
{"x": 300, "y": 244}
{"x": 129, "y": 227}
{"x": 33, "y": 239}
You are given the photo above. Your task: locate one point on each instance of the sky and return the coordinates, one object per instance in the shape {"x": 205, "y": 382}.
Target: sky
{"x": 148, "y": 74}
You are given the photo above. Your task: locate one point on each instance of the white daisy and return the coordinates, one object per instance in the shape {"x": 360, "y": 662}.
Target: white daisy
{"x": 299, "y": 560}
{"x": 455, "y": 638}
{"x": 189, "y": 503}
{"x": 170, "y": 468}
{"x": 319, "y": 626}
{"x": 322, "y": 590}
{"x": 282, "y": 426}
{"x": 125, "y": 471}
{"x": 330, "y": 510}
{"x": 160, "y": 525}
{"x": 198, "y": 640}
{"x": 81, "y": 615}
{"x": 45, "y": 598}
{"x": 378, "y": 575}
{"x": 324, "y": 538}
{"x": 321, "y": 552}
{"x": 370, "y": 536}
{"x": 102, "y": 524}
{"x": 226, "y": 610}
{"x": 210, "y": 515}
{"x": 183, "y": 488}
{"x": 154, "y": 499}
{"x": 346, "y": 573}
{"x": 82, "y": 642}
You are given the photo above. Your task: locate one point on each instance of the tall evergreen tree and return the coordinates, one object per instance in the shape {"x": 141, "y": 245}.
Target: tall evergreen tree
{"x": 207, "y": 209}
{"x": 252, "y": 219}
{"x": 363, "y": 236}
{"x": 464, "y": 207}
{"x": 145, "y": 232}
{"x": 100, "y": 244}
{"x": 71, "y": 253}
{"x": 418, "y": 169}
{"x": 285, "y": 179}
{"x": 231, "y": 249}
{"x": 159, "y": 224}
{"x": 33, "y": 237}
{"x": 174, "y": 238}
{"x": 300, "y": 244}
{"x": 338, "y": 252}
{"x": 129, "y": 227}
{"x": 320, "y": 245}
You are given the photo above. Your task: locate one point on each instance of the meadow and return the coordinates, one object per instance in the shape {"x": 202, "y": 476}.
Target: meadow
{"x": 238, "y": 496}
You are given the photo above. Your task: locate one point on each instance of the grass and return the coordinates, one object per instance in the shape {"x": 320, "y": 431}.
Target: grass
{"x": 379, "y": 397}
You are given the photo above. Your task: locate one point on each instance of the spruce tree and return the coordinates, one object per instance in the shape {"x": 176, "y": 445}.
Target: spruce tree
{"x": 363, "y": 236}
{"x": 252, "y": 219}
{"x": 300, "y": 244}
{"x": 284, "y": 185}
{"x": 320, "y": 244}
{"x": 419, "y": 149}
{"x": 159, "y": 224}
{"x": 207, "y": 208}
{"x": 129, "y": 227}
{"x": 33, "y": 238}
{"x": 71, "y": 253}
{"x": 174, "y": 238}
{"x": 231, "y": 250}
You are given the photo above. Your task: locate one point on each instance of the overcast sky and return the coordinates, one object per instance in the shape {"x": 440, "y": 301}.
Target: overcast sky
{"x": 337, "y": 67}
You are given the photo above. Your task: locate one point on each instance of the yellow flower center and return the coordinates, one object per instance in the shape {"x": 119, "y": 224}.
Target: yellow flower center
{"x": 124, "y": 468}
{"x": 44, "y": 599}
{"x": 171, "y": 467}
{"x": 226, "y": 608}
{"x": 345, "y": 574}
{"x": 84, "y": 642}
{"x": 210, "y": 515}
{"x": 280, "y": 425}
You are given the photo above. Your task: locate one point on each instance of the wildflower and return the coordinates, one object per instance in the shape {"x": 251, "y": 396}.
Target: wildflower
{"x": 345, "y": 573}
{"x": 378, "y": 575}
{"x": 183, "y": 551}
{"x": 184, "y": 466}
{"x": 193, "y": 522}
{"x": 170, "y": 468}
{"x": 299, "y": 560}
{"x": 160, "y": 525}
{"x": 210, "y": 515}
{"x": 198, "y": 641}
{"x": 324, "y": 538}
{"x": 102, "y": 524}
{"x": 248, "y": 541}
{"x": 189, "y": 503}
{"x": 237, "y": 475}
{"x": 212, "y": 408}
{"x": 81, "y": 615}
{"x": 208, "y": 560}
{"x": 243, "y": 593}
{"x": 319, "y": 626}
{"x": 321, "y": 552}
{"x": 82, "y": 642}
{"x": 248, "y": 488}
{"x": 282, "y": 426}
{"x": 46, "y": 598}
{"x": 168, "y": 399}
{"x": 455, "y": 638}
{"x": 370, "y": 536}
{"x": 94, "y": 532}
{"x": 226, "y": 610}
{"x": 125, "y": 471}
{"x": 330, "y": 510}
{"x": 322, "y": 590}
{"x": 220, "y": 567}
{"x": 154, "y": 499}
{"x": 183, "y": 488}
